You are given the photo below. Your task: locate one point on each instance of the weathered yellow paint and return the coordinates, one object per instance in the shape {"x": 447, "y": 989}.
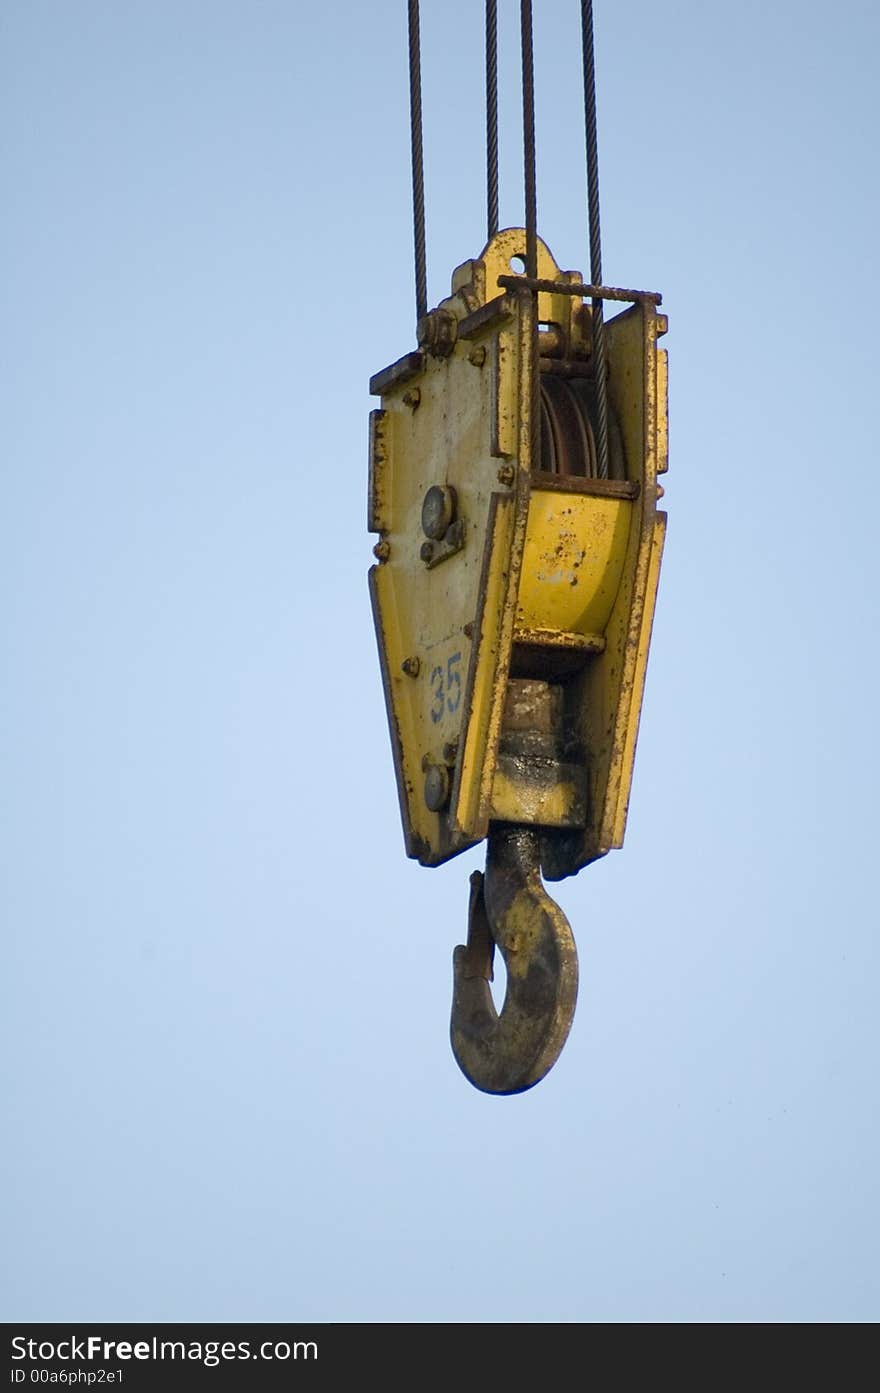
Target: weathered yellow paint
{"x": 552, "y": 796}
{"x": 475, "y": 770}
{"x": 541, "y": 568}
{"x": 453, "y": 623}
{"x": 607, "y": 693}
{"x": 628, "y": 754}
{"x": 661, "y": 358}
{"x": 574, "y": 555}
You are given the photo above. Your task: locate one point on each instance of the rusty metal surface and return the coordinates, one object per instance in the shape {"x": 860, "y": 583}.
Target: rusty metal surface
{"x": 553, "y": 575}
{"x": 531, "y": 791}
{"x": 437, "y": 333}
{"x": 592, "y": 488}
{"x": 377, "y": 501}
{"x": 556, "y": 367}
{"x": 592, "y": 292}
{"x": 605, "y": 694}
{"x": 410, "y": 365}
{"x": 538, "y": 780}
{"x": 449, "y": 603}
{"x": 509, "y": 908}
{"x": 487, "y": 316}
{"x": 559, "y": 638}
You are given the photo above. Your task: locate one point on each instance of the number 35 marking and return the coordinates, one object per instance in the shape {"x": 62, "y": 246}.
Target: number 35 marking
{"x": 446, "y": 688}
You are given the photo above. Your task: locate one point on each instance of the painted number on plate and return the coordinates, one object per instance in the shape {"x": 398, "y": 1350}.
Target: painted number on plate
{"x": 446, "y": 688}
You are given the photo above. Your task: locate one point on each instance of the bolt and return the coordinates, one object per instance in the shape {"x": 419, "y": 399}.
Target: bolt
{"x": 411, "y": 666}
{"x": 426, "y": 551}
{"x": 436, "y": 787}
{"x": 438, "y": 511}
{"x": 412, "y": 397}
{"x": 506, "y": 474}
{"x": 450, "y": 752}
{"x": 477, "y": 356}
{"x": 382, "y": 551}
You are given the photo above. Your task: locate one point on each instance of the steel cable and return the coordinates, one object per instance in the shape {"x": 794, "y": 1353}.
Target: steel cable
{"x": 528, "y": 96}
{"x": 595, "y": 240}
{"x": 531, "y": 201}
{"x": 491, "y": 118}
{"x": 418, "y": 166}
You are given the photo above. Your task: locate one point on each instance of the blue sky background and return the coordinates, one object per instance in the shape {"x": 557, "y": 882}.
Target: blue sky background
{"x": 230, "y": 1094}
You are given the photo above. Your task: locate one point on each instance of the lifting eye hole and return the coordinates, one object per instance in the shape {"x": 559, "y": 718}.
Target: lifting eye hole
{"x": 518, "y": 265}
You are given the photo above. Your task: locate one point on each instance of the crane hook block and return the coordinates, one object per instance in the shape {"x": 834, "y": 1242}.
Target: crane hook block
{"x": 514, "y": 588}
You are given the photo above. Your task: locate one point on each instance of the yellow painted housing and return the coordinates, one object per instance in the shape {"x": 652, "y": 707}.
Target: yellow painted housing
{"x": 529, "y": 573}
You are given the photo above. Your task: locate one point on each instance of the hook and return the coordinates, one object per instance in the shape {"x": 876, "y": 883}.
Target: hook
{"x": 509, "y": 906}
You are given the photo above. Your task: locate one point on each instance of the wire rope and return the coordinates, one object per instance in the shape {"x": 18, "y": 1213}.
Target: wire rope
{"x": 491, "y": 118}
{"x": 418, "y": 163}
{"x": 595, "y": 238}
{"x": 529, "y": 176}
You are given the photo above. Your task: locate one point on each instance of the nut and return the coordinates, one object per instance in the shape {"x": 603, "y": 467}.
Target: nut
{"x": 437, "y": 333}
{"x": 455, "y": 533}
{"x": 436, "y": 787}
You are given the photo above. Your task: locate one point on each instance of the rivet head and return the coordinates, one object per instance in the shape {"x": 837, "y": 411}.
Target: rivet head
{"x": 506, "y": 474}
{"x": 426, "y": 551}
{"x": 438, "y": 511}
{"x": 382, "y": 551}
{"x": 412, "y": 397}
{"x": 477, "y": 356}
{"x": 436, "y": 787}
{"x": 411, "y": 666}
